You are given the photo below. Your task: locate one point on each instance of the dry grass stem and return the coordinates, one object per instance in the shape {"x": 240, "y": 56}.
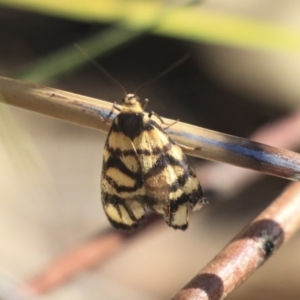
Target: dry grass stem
{"x": 208, "y": 144}
{"x": 227, "y": 180}
{"x": 248, "y": 250}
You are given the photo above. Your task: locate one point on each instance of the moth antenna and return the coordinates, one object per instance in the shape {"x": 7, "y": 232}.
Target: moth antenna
{"x": 166, "y": 71}
{"x": 99, "y": 67}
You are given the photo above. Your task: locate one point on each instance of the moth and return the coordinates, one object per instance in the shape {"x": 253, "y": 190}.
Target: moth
{"x": 143, "y": 168}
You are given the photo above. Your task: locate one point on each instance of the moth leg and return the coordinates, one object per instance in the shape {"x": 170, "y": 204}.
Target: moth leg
{"x": 116, "y": 107}
{"x": 144, "y": 105}
{"x": 106, "y": 119}
{"x": 152, "y": 113}
{"x": 169, "y": 125}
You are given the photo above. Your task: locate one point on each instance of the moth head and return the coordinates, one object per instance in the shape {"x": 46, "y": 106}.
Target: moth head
{"x": 131, "y": 100}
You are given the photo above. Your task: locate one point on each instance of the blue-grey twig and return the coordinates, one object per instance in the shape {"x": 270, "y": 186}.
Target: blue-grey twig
{"x": 208, "y": 144}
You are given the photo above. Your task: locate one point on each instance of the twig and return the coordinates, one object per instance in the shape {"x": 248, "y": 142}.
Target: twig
{"x": 248, "y": 250}
{"x": 227, "y": 180}
{"x": 209, "y": 144}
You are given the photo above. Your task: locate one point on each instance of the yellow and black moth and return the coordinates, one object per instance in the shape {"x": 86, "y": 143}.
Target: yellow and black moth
{"x": 143, "y": 168}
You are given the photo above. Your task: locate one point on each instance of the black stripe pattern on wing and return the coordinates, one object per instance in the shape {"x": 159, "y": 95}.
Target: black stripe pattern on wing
{"x": 144, "y": 152}
{"x": 168, "y": 160}
{"x": 118, "y": 202}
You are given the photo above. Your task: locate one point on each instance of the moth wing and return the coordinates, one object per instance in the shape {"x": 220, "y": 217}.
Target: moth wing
{"x": 170, "y": 182}
{"x": 122, "y": 187}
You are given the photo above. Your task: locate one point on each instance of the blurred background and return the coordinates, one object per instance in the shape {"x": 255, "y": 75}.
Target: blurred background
{"x": 242, "y": 73}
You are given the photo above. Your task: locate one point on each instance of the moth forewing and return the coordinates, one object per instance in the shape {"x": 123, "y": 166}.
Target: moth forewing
{"x": 144, "y": 168}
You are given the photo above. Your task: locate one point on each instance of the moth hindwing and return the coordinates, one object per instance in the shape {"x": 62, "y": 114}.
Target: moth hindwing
{"x": 144, "y": 168}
